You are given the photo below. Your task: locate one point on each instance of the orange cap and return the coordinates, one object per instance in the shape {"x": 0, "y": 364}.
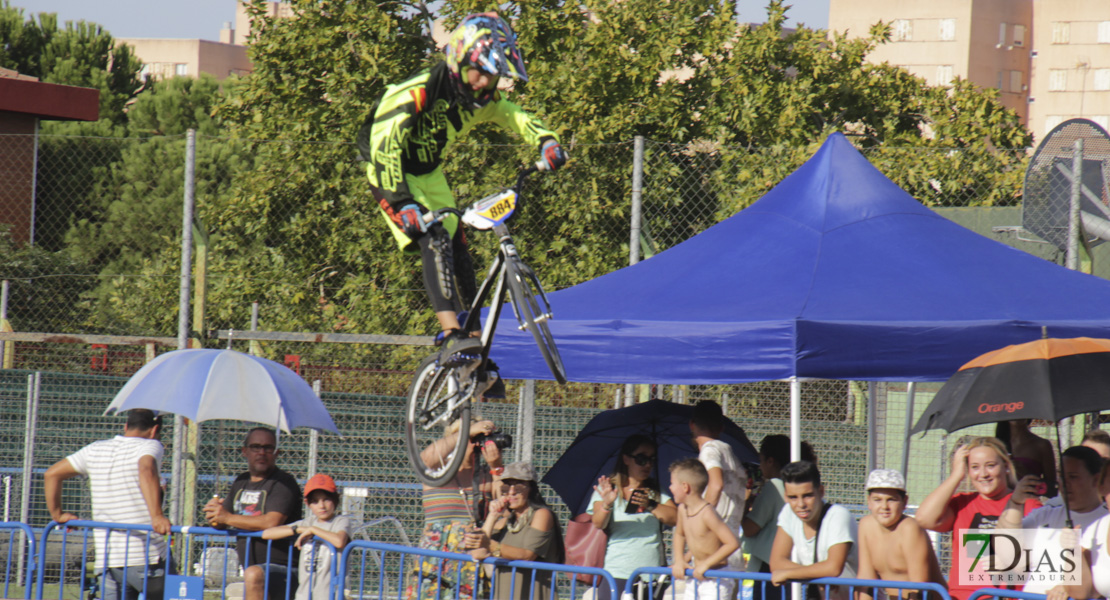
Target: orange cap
{"x": 320, "y": 481}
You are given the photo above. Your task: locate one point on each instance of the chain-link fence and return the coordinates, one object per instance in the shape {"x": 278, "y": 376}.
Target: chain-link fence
{"x": 291, "y": 225}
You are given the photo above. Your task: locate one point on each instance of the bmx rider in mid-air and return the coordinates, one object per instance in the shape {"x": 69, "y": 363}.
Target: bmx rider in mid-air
{"x": 403, "y": 141}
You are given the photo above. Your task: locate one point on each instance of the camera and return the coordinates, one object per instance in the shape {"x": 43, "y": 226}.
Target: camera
{"x": 1040, "y": 488}
{"x": 501, "y": 439}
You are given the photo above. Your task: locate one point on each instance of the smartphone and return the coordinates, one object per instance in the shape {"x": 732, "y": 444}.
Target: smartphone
{"x": 631, "y": 507}
{"x": 1040, "y": 489}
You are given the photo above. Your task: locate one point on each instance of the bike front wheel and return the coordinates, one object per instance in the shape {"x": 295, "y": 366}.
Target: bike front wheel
{"x": 523, "y": 288}
{"x": 438, "y": 397}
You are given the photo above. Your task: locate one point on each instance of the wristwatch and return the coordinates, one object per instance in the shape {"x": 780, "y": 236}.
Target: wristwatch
{"x": 495, "y": 550}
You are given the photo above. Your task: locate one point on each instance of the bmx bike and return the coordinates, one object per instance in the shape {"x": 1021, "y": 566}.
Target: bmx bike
{"x": 442, "y": 390}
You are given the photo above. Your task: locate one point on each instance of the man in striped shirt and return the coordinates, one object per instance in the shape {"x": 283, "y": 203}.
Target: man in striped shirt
{"x": 124, "y": 482}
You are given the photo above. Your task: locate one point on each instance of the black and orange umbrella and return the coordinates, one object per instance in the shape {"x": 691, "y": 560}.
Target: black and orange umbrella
{"x": 1048, "y": 379}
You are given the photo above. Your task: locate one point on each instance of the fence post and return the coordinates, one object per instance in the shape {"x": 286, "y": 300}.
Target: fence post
{"x": 634, "y": 227}
{"x": 313, "y": 436}
{"x": 526, "y": 422}
{"x": 183, "y": 316}
{"x": 6, "y": 346}
{"x": 34, "y": 387}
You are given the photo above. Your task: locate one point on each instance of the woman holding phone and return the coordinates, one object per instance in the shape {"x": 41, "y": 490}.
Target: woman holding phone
{"x": 632, "y": 508}
{"x": 986, "y": 466}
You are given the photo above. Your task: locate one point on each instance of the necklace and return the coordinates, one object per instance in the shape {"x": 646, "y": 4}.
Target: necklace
{"x": 701, "y": 508}
{"x": 517, "y": 522}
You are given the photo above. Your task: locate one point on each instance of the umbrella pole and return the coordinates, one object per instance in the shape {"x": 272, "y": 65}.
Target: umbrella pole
{"x": 1060, "y": 489}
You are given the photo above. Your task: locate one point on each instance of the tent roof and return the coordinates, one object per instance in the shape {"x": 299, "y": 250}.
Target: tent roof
{"x": 836, "y": 273}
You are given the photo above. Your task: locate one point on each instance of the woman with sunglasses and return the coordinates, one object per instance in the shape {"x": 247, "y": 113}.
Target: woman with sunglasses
{"x": 520, "y": 526}
{"x": 632, "y": 508}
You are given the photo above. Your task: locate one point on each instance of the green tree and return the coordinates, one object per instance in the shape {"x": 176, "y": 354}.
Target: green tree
{"x": 80, "y": 54}
{"x": 131, "y": 230}
{"x": 303, "y": 223}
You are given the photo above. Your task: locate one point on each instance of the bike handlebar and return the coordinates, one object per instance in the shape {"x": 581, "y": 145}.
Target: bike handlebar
{"x": 435, "y": 215}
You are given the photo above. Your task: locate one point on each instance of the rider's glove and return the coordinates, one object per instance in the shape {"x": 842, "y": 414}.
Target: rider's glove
{"x": 552, "y": 155}
{"x": 410, "y": 220}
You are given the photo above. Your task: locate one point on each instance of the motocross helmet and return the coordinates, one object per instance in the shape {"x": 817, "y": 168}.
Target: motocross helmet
{"x": 483, "y": 41}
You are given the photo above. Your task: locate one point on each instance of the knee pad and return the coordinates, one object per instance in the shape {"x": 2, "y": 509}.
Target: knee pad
{"x": 439, "y": 268}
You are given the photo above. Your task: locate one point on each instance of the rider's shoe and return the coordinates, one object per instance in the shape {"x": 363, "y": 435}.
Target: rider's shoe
{"x": 495, "y": 385}
{"x": 462, "y": 320}
{"x": 459, "y": 348}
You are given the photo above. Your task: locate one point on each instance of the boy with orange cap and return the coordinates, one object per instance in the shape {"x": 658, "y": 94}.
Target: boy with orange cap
{"x": 322, "y": 498}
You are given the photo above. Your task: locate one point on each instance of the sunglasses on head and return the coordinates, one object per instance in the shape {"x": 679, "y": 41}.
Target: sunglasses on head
{"x": 643, "y": 459}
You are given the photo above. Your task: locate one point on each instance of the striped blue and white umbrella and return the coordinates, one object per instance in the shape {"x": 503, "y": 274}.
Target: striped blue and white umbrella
{"x": 204, "y": 384}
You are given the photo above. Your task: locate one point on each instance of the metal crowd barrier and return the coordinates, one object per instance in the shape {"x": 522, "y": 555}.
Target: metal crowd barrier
{"x": 20, "y": 559}
{"x": 1000, "y": 593}
{"x": 386, "y": 571}
{"x": 204, "y": 552}
{"x": 769, "y": 591}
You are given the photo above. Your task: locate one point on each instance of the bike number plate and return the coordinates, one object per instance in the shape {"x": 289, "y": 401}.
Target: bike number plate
{"x": 491, "y": 211}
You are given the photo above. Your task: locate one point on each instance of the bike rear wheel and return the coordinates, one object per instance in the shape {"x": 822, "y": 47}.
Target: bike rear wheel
{"x": 523, "y": 287}
{"x": 438, "y": 397}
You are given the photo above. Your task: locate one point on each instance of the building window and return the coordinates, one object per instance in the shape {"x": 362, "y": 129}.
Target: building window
{"x": 944, "y": 75}
{"x": 1019, "y": 35}
{"x": 1016, "y": 81}
{"x": 1102, "y": 121}
{"x": 1102, "y": 80}
{"x": 947, "y": 30}
{"x": 902, "y": 30}
{"x": 1061, "y": 32}
{"x": 1001, "y": 34}
{"x": 1104, "y": 32}
{"x": 1057, "y": 80}
{"x": 181, "y": 69}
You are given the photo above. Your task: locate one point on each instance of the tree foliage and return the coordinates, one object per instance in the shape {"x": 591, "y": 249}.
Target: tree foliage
{"x": 79, "y": 54}
{"x": 291, "y": 219}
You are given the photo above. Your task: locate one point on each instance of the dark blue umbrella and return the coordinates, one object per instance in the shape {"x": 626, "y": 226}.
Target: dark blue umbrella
{"x": 594, "y": 452}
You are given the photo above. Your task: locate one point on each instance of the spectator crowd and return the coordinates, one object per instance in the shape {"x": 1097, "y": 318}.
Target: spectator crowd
{"x": 776, "y": 520}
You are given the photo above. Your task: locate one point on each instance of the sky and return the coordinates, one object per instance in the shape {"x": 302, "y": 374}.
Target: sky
{"x": 203, "y": 19}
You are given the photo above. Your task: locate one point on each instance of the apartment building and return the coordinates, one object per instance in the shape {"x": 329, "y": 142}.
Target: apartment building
{"x": 163, "y": 58}
{"x": 988, "y": 42}
{"x": 1071, "y": 63}
{"x": 1049, "y": 59}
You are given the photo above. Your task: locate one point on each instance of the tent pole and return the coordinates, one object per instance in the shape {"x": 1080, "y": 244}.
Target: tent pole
{"x": 795, "y": 419}
{"x": 911, "y": 391}
{"x": 872, "y": 421}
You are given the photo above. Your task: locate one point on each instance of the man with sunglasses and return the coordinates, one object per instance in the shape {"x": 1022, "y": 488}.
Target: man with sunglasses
{"x": 263, "y": 497}
{"x": 403, "y": 142}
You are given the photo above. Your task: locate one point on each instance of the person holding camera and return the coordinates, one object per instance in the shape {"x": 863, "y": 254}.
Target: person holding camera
{"x": 631, "y": 507}
{"x": 1082, "y": 467}
{"x": 452, "y": 510}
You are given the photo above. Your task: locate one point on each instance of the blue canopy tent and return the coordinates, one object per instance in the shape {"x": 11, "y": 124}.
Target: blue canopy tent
{"x": 836, "y": 273}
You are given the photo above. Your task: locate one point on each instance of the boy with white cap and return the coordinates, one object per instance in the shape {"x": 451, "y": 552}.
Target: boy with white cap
{"x": 893, "y": 546}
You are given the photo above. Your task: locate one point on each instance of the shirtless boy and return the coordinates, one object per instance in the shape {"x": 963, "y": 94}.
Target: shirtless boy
{"x": 893, "y": 546}
{"x": 699, "y": 534}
